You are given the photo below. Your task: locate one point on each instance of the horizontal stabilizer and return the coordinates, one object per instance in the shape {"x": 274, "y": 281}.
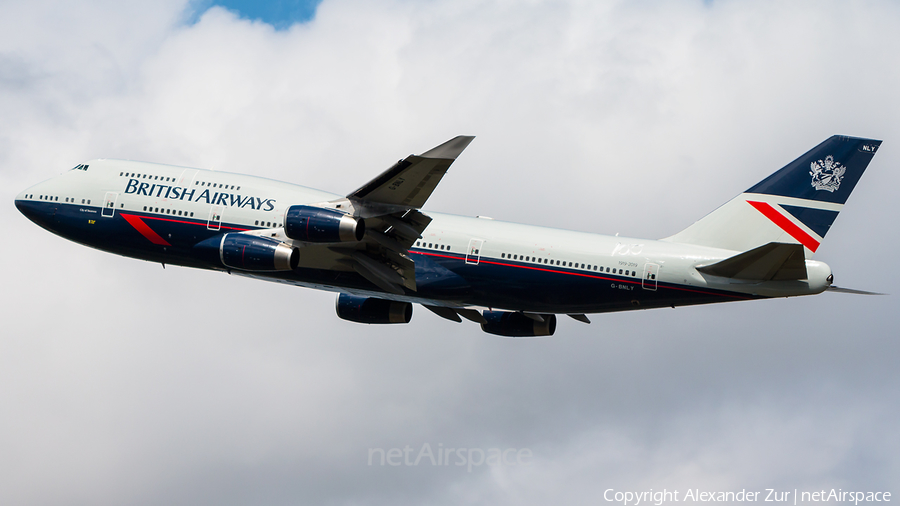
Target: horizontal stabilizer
{"x": 772, "y": 261}
{"x": 839, "y": 289}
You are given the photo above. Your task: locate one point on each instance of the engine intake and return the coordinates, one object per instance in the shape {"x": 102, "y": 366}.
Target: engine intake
{"x": 314, "y": 224}
{"x": 248, "y": 253}
{"x": 507, "y": 324}
{"x": 371, "y": 310}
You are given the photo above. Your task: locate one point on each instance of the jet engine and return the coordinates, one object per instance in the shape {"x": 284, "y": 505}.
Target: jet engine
{"x": 503, "y": 323}
{"x": 314, "y": 224}
{"x": 248, "y": 253}
{"x": 371, "y": 310}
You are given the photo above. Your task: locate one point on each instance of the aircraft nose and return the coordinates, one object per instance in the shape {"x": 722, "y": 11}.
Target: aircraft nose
{"x": 36, "y": 211}
{"x": 27, "y": 208}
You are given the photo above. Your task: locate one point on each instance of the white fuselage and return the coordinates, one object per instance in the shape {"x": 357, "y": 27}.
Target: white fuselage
{"x": 216, "y": 202}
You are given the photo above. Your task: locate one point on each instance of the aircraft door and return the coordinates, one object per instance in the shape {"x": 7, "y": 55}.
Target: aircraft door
{"x": 650, "y": 273}
{"x": 215, "y": 218}
{"x": 187, "y": 177}
{"x": 473, "y": 252}
{"x": 109, "y": 205}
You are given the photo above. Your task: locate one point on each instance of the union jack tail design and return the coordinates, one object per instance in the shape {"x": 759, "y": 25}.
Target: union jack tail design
{"x": 797, "y": 204}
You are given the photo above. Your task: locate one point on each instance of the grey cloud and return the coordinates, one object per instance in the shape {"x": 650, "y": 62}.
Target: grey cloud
{"x": 125, "y": 383}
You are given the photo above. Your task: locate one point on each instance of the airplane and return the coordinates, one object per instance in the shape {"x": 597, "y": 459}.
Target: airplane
{"x": 382, "y": 254}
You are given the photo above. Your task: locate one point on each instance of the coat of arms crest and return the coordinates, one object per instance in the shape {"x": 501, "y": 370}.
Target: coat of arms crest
{"x": 826, "y": 174}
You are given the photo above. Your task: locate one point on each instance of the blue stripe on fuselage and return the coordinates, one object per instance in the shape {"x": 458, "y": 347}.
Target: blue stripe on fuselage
{"x": 539, "y": 288}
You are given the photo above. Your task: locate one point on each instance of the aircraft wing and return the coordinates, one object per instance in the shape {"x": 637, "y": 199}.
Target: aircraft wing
{"x": 390, "y": 206}
{"x": 410, "y": 181}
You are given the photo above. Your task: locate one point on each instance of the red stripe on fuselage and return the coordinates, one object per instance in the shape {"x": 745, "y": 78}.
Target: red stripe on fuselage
{"x": 145, "y": 231}
{"x": 785, "y": 224}
{"x": 592, "y": 276}
{"x": 192, "y": 223}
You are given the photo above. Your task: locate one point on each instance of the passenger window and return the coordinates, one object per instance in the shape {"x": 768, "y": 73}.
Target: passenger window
{"x": 502, "y": 255}
{"x": 192, "y": 214}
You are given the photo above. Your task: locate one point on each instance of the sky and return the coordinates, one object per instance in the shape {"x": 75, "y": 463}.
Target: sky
{"x": 280, "y": 14}
{"x": 124, "y": 383}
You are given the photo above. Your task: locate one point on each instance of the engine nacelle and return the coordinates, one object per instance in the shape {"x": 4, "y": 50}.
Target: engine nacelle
{"x": 314, "y": 224}
{"x": 248, "y": 253}
{"x": 371, "y": 310}
{"x": 503, "y": 323}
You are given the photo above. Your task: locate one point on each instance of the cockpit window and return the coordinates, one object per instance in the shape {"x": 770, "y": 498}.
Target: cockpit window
{"x": 80, "y": 167}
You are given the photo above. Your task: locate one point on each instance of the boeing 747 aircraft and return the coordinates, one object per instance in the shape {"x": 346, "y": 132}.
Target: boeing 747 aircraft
{"x": 382, "y": 253}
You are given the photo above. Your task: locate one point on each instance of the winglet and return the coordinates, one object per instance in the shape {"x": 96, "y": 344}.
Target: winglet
{"x": 450, "y": 149}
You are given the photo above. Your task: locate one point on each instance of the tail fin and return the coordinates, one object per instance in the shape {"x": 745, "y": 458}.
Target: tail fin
{"x": 795, "y": 205}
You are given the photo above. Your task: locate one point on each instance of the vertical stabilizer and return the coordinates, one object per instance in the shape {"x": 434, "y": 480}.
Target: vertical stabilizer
{"x": 796, "y": 205}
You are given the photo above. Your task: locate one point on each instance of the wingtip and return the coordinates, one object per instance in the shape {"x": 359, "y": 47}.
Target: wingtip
{"x": 450, "y": 149}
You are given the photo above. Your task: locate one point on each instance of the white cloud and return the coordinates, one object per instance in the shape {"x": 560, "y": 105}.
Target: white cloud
{"x": 124, "y": 383}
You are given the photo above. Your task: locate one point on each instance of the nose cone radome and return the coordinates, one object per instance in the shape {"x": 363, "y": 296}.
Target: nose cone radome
{"x": 37, "y": 211}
